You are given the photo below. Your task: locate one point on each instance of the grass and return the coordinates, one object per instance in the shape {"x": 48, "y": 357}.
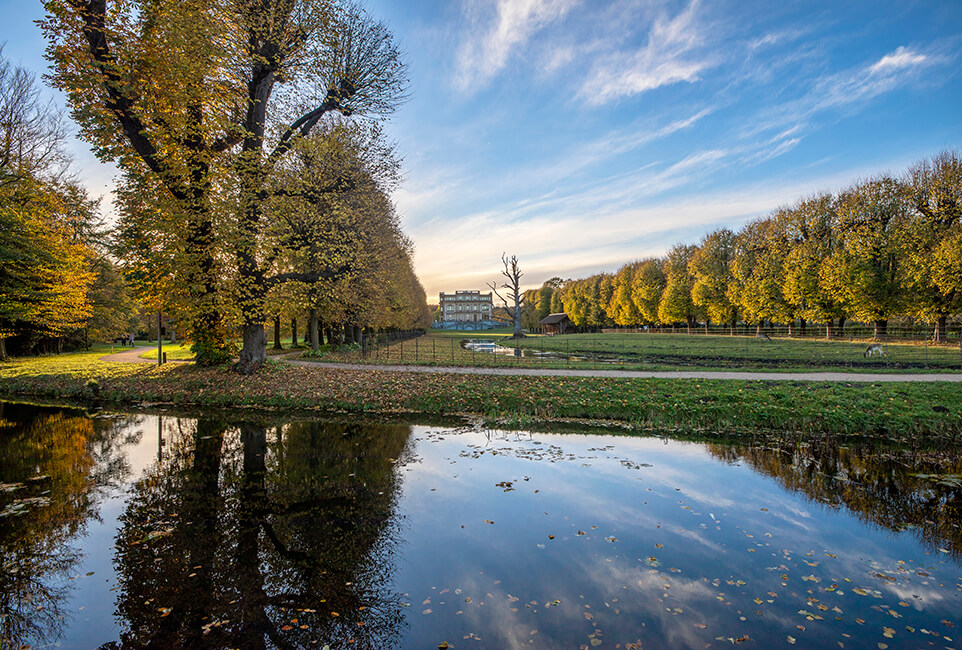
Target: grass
{"x": 664, "y": 352}
{"x": 903, "y": 412}
{"x": 175, "y": 352}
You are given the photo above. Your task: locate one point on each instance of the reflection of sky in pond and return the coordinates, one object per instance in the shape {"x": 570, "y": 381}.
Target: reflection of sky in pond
{"x": 542, "y": 540}
{"x": 651, "y": 541}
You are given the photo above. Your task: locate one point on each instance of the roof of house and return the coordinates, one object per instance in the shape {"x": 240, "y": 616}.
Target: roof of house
{"x": 553, "y": 319}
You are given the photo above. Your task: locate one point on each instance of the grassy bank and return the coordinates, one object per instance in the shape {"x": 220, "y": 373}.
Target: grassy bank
{"x": 891, "y": 410}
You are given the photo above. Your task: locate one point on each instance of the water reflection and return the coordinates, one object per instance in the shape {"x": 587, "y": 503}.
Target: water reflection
{"x": 260, "y": 532}
{"x": 263, "y": 535}
{"x": 896, "y": 489}
{"x": 57, "y": 465}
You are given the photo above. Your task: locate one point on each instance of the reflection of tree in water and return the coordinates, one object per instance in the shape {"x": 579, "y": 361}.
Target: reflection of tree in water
{"x": 879, "y": 485}
{"x": 56, "y": 465}
{"x": 258, "y": 537}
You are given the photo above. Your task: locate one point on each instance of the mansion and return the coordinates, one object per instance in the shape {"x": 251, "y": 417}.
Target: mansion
{"x": 466, "y": 306}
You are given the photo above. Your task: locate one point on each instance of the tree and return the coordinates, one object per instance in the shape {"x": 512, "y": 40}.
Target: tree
{"x": 710, "y": 267}
{"x": 512, "y": 274}
{"x": 756, "y": 267}
{"x": 676, "y": 303}
{"x": 184, "y": 92}
{"x": 936, "y": 194}
{"x": 648, "y": 284}
{"x": 622, "y": 309}
{"x": 811, "y": 227}
{"x": 867, "y": 277}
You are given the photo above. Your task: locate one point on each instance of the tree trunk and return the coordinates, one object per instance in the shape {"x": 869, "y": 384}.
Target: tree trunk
{"x": 828, "y": 328}
{"x": 688, "y": 321}
{"x": 791, "y": 328}
{"x": 758, "y": 327}
{"x": 293, "y": 332}
{"x": 356, "y": 334}
{"x": 3, "y": 348}
{"x": 880, "y": 327}
{"x": 312, "y": 330}
{"x": 801, "y": 327}
{"x": 254, "y": 353}
{"x": 173, "y": 334}
{"x": 277, "y": 333}
{"x": 940, "y": 327}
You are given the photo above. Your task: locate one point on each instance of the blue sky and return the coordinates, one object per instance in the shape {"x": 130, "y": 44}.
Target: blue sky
{"x": 582, "y": 134}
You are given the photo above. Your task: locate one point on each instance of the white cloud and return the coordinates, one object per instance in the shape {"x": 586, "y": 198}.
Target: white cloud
{"x": 900, "y": 58}
{"x": 482, "y": 56}
{"x": 668, "y": 57}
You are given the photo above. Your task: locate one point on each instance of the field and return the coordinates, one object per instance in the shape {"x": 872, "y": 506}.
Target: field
{"x": 643, "y": 351}
{"x": 894, "y": 411}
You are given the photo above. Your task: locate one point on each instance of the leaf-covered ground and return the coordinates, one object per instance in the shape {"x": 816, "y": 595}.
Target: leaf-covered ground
{"x": 892, "y": 410}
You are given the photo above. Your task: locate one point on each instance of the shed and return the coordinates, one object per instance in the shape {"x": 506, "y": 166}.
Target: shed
{"x": 554, "y": 323}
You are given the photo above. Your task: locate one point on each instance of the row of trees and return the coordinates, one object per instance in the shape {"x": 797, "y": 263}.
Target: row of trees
{"x": 249, "y": 190}
{"x": 57, "y": 282}
{"x": 883, "y": 248}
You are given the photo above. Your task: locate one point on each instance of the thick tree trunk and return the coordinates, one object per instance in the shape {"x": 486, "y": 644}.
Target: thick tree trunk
{"x": 828, "y": 328}
{"x": 293, "y": 332}
{"x": 758, "y": 327}
{"x": 356, "y": 334}
{"x": 940, "y": 328}
{"x": 3, "y": 348}
{"x": 312, "y": 330}
{"x": 689, "y": 322}
{"x": 791, "y": 328}
{"x": 173, "y": 334}
{"x": 801, "y": 327}
{"x": 277, "y": 333}
{"x": 254, "y": 353}
{"x": 881, "y": 325}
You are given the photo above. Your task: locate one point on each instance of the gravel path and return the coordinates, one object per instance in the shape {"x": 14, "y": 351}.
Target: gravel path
{"x": 851, "y": 377}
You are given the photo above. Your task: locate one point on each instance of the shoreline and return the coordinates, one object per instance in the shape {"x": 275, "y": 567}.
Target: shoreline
{"x": 897, "y": 411}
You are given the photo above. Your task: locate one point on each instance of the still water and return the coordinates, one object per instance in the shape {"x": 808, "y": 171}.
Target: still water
{"x": 137, "y": 529}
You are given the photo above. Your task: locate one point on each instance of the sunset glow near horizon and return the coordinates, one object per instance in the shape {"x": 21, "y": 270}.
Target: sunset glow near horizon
{"x": 581, "y": 135}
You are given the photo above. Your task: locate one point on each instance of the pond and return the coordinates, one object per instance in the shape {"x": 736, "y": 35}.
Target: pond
{"x": 152, "y": 528}
{"x": 489, "y": 346}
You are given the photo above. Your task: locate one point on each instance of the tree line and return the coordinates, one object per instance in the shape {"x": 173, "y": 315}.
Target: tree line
{"x": 889, "y": 247}
{"x": 253, "y": 185}
{"x": 58, "y": 283}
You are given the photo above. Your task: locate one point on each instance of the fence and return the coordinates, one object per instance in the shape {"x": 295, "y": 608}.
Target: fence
{"x": 904, "y": 350}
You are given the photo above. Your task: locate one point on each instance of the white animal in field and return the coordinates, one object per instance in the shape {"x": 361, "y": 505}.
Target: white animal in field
{"x": 874, "y": 350}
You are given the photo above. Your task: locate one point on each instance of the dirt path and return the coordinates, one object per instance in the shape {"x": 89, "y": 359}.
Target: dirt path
{"x": 132, "y": 355}
{"x": 850, "y": 377}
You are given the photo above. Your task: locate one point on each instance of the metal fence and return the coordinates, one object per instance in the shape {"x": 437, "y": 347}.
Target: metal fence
{"x": 903, "y": 350}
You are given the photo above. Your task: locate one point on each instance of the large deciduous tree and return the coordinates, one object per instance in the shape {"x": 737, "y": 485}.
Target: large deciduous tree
{"x": 932, "y": 235}
{"x": 871, "y": 227}
{"x": 206, "y": 99}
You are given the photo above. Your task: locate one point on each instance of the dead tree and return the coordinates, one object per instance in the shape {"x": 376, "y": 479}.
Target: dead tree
{"x": 513, "y": 286}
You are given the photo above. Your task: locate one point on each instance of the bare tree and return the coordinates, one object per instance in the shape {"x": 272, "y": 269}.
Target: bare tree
{"x": 32, "y": 132}
{"x": 513, "y": 275}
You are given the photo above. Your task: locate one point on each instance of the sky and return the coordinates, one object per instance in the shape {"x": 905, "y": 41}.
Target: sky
{"x": 581, "y": 135}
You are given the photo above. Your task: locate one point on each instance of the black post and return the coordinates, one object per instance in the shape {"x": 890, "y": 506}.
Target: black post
{"x": 160, "y": 343}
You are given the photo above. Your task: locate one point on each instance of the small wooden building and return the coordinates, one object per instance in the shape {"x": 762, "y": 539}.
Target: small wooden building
{"x": 554, "y": 323}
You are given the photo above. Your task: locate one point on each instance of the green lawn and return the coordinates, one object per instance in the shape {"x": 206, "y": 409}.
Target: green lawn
{"x": 893, "y": 411}
{"x": 642, "y": 351}
{"x": 175, "y": 352}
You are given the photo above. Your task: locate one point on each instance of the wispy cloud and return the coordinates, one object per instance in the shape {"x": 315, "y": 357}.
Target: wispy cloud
{"x": 670, "y": 56}
{"x": 900, "y": 58}
{"x": 482, "y": 56}
{"x": 848, "y": 89}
